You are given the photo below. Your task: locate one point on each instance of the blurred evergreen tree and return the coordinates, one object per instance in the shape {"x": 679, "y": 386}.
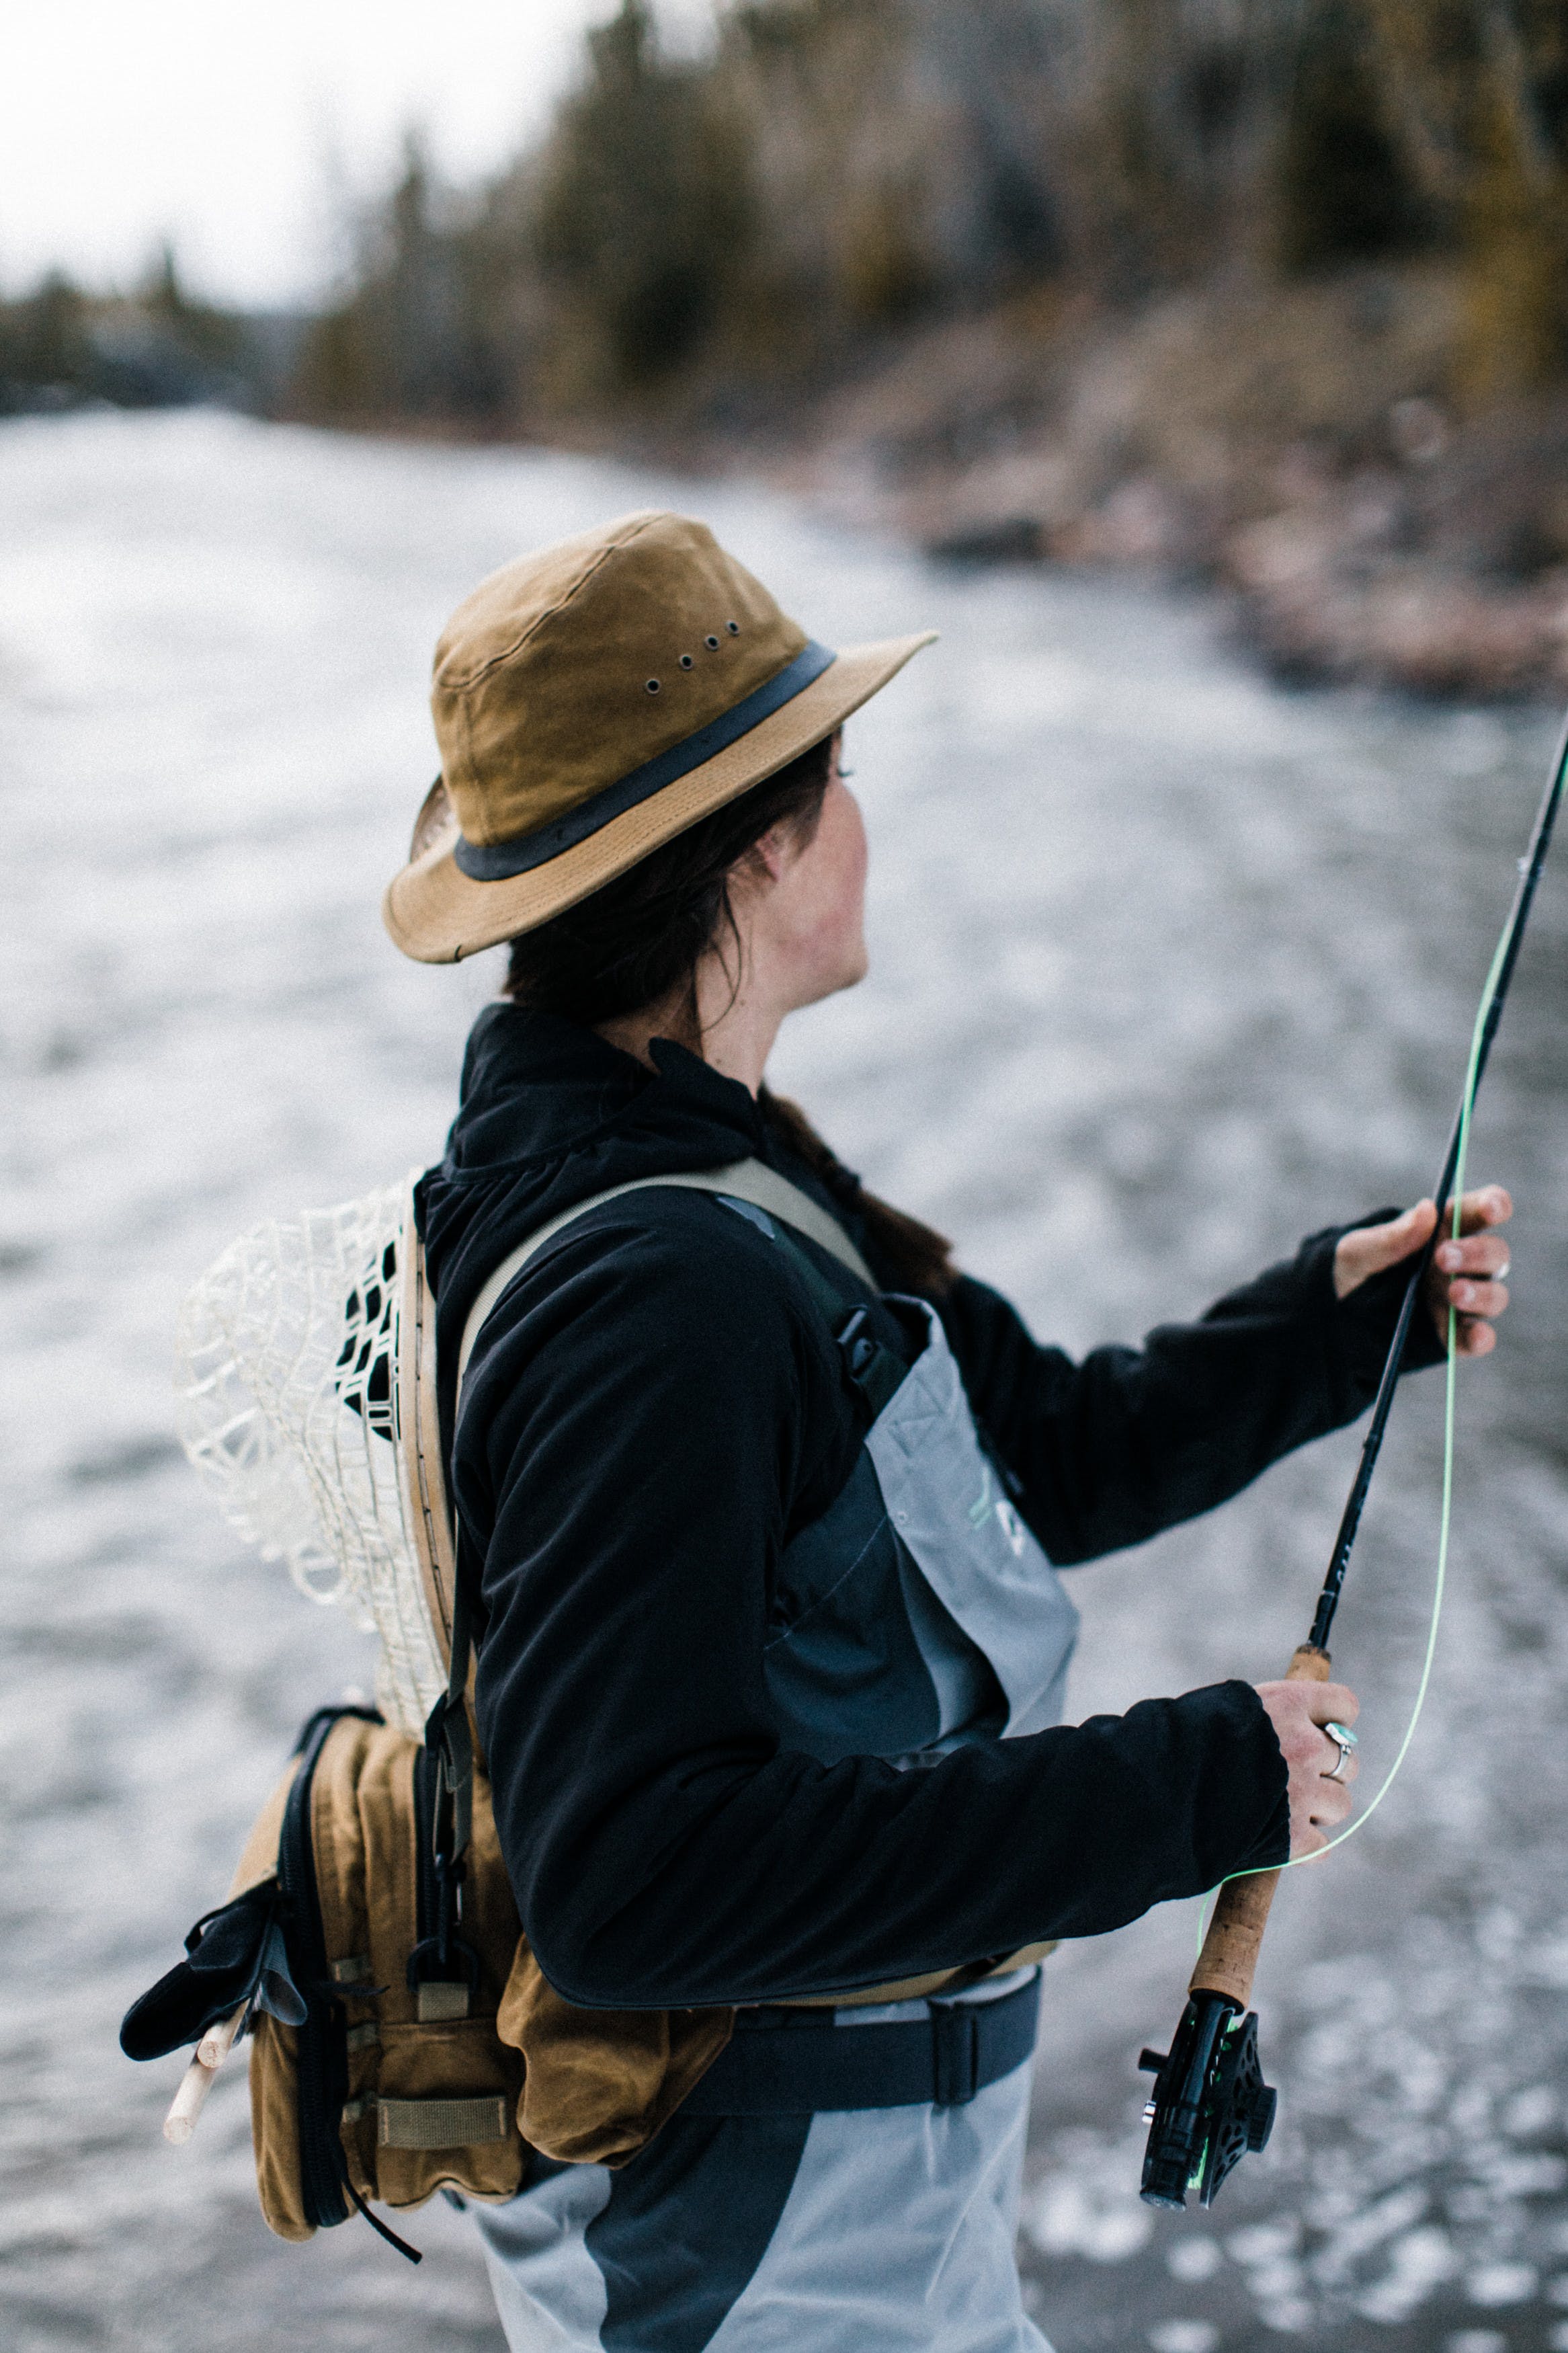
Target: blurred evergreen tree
{"x": 214, "y": 336}
{"x": 45, "y": 347}
{"x": 853, "y": 157}
{"x": 1346, "y": 193}
{"x": 1479, "y": 89}
{"x": 416, "y": 336}
{"x": 643, "y": 216}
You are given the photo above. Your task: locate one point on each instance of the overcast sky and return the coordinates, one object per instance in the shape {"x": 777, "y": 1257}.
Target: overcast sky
{"x": 233, "y": 128}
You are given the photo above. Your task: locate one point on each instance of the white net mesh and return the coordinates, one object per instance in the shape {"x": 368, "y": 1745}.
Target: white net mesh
{"x": 285, "y": 1365}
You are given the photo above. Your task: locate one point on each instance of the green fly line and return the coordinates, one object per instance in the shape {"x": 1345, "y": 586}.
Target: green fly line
{"x": 1450, "y": 1398}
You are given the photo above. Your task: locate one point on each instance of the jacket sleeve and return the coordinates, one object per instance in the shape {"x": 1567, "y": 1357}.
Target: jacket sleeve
{"x": 1128, "y": 1441}
{"x": 641, "y": 1422}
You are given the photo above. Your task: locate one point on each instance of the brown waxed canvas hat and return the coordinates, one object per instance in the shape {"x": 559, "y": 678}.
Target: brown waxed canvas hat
{"x": 593, "y": 700}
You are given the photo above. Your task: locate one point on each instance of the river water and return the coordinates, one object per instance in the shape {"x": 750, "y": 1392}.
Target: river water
{"x": 1169, "y": 966}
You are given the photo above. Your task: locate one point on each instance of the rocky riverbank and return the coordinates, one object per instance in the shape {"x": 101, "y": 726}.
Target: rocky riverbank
{"x": 1294, "y": 447}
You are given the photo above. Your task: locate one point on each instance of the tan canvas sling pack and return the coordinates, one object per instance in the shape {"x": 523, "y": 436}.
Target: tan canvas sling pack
{"x": 433, "y": 2052}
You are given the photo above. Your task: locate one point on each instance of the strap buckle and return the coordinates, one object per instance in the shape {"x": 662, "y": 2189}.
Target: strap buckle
{"x": 955, "y": 2052}
{"x": 874, "y": 1370}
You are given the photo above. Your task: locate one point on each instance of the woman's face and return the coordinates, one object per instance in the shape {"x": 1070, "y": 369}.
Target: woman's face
{"x": 807, "y": 928}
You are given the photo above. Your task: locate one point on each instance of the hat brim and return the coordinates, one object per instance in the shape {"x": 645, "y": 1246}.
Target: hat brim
{"x": 437, "y": 913}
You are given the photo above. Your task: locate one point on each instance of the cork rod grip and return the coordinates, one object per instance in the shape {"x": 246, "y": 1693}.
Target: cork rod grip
{"x": 1229, "y": 1955}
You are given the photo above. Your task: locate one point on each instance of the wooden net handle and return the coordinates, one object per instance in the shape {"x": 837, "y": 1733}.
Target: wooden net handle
{"x": 419, "y": 1438}
{"x": 1229, "y": 1956}
{"x": 200, "y": 2076}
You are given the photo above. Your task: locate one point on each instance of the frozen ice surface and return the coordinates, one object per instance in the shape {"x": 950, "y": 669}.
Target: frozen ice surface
{"x": 1170, "y": 966}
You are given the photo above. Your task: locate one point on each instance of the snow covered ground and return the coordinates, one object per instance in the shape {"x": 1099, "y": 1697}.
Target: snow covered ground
{"x": 1170, "y": 966}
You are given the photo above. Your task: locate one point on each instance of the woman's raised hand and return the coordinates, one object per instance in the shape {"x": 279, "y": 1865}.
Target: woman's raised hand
{"x": 1467, "y": 1274}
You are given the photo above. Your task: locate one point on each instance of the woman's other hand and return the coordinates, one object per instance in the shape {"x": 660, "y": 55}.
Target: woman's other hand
{"x": 1467, "y": 1274}
{"x": 1298, "y": 1711}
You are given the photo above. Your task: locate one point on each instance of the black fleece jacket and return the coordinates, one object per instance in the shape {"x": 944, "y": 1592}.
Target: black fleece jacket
{"x": 654, "y": 1409}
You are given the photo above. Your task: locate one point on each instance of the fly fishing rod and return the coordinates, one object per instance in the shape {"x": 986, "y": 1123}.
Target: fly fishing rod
{"x": 1210, "y": 2103}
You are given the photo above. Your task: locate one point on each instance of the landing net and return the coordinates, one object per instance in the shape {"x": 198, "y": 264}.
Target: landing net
{"x": 285, "y": 1365}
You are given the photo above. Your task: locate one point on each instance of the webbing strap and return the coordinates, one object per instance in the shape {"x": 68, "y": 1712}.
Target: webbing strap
{"x": 748, "y": 1180}
{"x": 441, "y": 2123}
{"x": 776, "y": 2064}
{"x": 449, "y": 1741}
{"x": 447, "y": 1736}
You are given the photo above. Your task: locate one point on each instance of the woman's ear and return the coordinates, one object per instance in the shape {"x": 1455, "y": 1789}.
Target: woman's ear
{"x": 774, "y": 849}
{"x": 764, "y": 862}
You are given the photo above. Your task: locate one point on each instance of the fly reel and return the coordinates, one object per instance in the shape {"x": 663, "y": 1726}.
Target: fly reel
{"x": 1210, "y": 2104}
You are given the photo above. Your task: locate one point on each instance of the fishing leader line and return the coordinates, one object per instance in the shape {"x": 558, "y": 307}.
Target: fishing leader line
{"x": 1210, "y": 2104}
{"x": 1467, "y": 1106}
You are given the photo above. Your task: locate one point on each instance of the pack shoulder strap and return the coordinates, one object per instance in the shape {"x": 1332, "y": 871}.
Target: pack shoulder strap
{"x": 418, "y": 1420}
{"x": 748, "y": 1180}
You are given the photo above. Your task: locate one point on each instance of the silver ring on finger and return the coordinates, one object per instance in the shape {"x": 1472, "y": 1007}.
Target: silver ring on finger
{"x": 1345, "y": 1741}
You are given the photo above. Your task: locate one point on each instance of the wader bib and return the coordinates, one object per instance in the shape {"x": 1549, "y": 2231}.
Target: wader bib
{"x": 845, "y": 2179}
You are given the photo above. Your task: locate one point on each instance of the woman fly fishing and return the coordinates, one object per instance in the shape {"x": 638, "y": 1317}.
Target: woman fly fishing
{"x": 761, "y": 1502}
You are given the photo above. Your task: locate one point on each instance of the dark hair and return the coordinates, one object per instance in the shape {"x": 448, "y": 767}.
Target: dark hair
{"x": 635, "y": 941}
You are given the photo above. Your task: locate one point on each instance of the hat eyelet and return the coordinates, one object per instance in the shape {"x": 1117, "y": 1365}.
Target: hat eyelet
{"x": 733, "y": 627}
{"x": 653, "y": 686}
{"x": 685, "y": 661}
{"x": 712, "y": 644}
